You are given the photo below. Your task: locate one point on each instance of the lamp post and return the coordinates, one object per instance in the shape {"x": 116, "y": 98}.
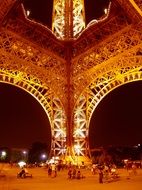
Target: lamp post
{"x": 24, "y": 154}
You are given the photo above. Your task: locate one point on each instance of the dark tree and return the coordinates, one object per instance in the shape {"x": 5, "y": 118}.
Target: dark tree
{"x": 36, "y": 151}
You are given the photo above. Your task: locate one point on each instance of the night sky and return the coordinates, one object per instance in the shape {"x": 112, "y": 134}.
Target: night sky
{"x": 22, "y": 119}
{"x": 41, "y": 10}
{"x": 118, "y": 118}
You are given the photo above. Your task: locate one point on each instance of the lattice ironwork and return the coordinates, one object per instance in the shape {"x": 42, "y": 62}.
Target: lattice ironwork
{"x": 132, "y": 9}
{"x": 58, "y": 21}
{"x": 111, "y": 48}
{"x": 29, "y": 68}
{"x": 114, "y": 62}
{"x": 69, "y": 78}
{"x": 44, "y": 96}
{"x": 96, "y": 91}
{"x": 59, "y": 128}
{"x": 78, "y": 17}
{"x": 139, "y": 3}
{"x": 68, "y": 18}
{"x": 94, "y": 34}
{"x": 31, "y": 30}
{"x": 80, "y": 133}
{"x": 50, "y": 69}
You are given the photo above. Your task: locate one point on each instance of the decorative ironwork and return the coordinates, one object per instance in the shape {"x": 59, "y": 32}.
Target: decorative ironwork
{"x": 26, "y": 66}
{"x": 139, "y": 3}
{"x": 58, "y": 21}
{"x": 115, "y": 76}
{"x": 132, "y": 9}
{"x": 87, "y": 64}
{"x": 44, "y": 96}
{"x": 31, "y": 30}
{"x": 94, "y": 34}
{"x": 78, "y": 17}
{"x": 33, "y": 60}
{"x": 69, "y": 78}
{"x": 68, "y": 18}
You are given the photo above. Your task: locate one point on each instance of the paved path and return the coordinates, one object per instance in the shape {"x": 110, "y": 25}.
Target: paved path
{"x": 41, "y": 181}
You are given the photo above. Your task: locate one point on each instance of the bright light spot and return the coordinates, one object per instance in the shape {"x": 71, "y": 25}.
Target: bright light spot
{"x": 21, "y": 164}
{"x": 77, "y": 148}
{"x": 105, "y": 11}
{"x": 28, "y": 12}
{"x": 43, "y": 156}
{"x": 125, "y": 161}
{"x": 24, "y": 152}
{"x": 51, "y": 161}
{"x": 78, "y": 131}
{"x": 3, "y": 153}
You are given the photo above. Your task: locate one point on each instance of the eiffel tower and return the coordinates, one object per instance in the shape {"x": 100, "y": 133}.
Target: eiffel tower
{"x": 71, "y": 67}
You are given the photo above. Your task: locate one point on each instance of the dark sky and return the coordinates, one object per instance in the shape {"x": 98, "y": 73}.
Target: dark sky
{"x": 94, "y": 9}
{"x": 41, "y": 10}
{"x": 22, "y": 119}
{"x": 118, "y": 118}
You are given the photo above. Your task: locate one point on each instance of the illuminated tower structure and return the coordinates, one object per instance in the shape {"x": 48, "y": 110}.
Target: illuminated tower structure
{"x": 72, "y": 67}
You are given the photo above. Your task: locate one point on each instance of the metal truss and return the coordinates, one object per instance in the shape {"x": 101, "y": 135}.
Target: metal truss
{"x": 68, "y": 18}
{"x": 25, "y": 66}
{"x": 70, "y": 77}
{"x": 139, "y": 3}
{"x": 78, "y": 17}
{"x": 133, "y": 8}
{"x": 87, "y": 66}
{"x": 80, "y": 133}
{"x": 58, "y": 20}
{"x": 19, "y": 54}
{"x": 114, "y": 62}
{"x": 94, "y": 94}
{"x": 59, "y": 129}
{"x": 52, "y": 106}
{"x": 24, "y": 27}
{"x": 93, "y": 35}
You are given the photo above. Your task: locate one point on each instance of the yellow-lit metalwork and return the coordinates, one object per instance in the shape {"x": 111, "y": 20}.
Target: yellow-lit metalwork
{"x": 139, "y": 3}
{"x": 70, "y": 77}
{"x": 78, "y": 17}
{"x": 43, "y": 95}
{"x": 25, "y": 66}
{"x": 58, "y": 20}
{"x": 123, "y": 67}
{"x": 68, "y": 18}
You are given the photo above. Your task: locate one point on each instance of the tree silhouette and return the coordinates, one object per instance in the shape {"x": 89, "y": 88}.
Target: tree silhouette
{"x": 36, "y": 151}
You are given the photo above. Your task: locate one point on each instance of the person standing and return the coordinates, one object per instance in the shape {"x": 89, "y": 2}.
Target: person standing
{"x": 54, "y": 171}
{"x": 100, "y": 171}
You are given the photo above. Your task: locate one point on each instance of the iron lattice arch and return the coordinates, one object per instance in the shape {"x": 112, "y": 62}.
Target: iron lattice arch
{"x": 79, "y": 71}
{"x": 51, "y": 105}
{"x": 119, "y": 73}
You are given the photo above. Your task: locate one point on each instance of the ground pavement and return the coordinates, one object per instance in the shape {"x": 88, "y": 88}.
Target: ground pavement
{"x": 41, "y": 181}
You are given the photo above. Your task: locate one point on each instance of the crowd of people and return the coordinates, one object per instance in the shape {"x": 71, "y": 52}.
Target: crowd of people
{"x": 106, "y": 173}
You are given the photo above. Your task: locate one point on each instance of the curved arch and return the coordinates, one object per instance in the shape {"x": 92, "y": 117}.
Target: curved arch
{"x": 91, "y": 97}
{"x": 51, "y": 105}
